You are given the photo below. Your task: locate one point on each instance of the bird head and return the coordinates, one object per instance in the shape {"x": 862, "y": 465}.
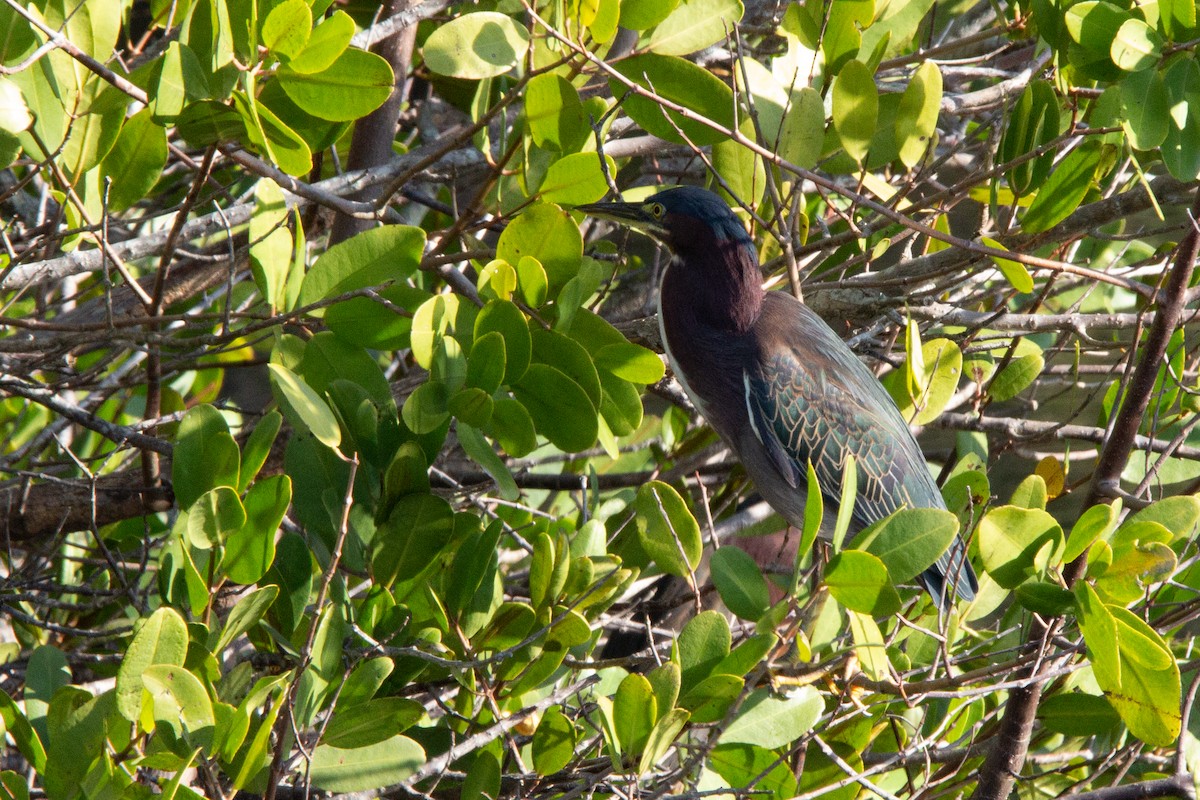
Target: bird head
{"x": 714, "y": 271}
{"x": 685, "y": 218}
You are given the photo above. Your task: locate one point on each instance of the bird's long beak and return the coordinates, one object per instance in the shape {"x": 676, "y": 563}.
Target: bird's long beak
{"x": 631, "y": 214}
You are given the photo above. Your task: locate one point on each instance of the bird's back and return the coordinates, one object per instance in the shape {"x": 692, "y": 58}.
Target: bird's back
{"x": 810, "y": 399}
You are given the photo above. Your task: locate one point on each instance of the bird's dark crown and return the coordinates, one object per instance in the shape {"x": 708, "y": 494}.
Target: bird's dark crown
{"x": 714, "y": 278}
{"x": 682, "y": 217}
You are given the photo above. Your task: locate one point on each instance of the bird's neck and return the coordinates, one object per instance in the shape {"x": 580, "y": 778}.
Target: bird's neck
{"x": 718, "y": 286}
{"x": 705, "y": 318}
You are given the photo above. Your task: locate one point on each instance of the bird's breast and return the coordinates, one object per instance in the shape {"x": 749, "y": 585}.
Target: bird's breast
{"x": 707, "y": 361}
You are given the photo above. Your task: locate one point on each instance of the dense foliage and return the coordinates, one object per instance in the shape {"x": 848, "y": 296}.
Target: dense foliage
{"x": 336, "y": 445}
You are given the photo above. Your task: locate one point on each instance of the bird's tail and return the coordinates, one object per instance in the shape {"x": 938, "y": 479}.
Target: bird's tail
{"x": 951, "y": 569}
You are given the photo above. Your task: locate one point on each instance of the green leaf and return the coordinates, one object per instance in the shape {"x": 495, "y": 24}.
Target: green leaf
{"x": 935, "y": 374}
{"x": 326, "y": 43}
{"x": 740, "y": 582}
{"x": 1064, "y": 189}
{"x": 1017, "y": 543}
{"x": 1033, "y": 122}
{"x": 1149, "y": 691}
{"x": 1181, "y": 149}
{"x": 497, "y": 280}
{"x": 211, "y": 519}
{"x": 769, "y": 721}
{"x": 803, "y": 129}
{"x": 181, "y": 699}
{"x": 258, "y": 447}
{"x": 547, "y": 233}
{"x": 473, "y": 46}
{"x": 849, "y": 495}
{"x": 372, "y": 722}
{"x": 205, "y": 456}
{"x": 1095, "y": 523}
{"x": 553, "y": 742}
{"x": 814, "y": 512}
{"x": 1031, "y": 493}
{"x": 286, "y": 29}
{"x": 909, "y": 541}
{"x": 474, "y": 565}
{"x": 362, "y": 769}
{"x": 859, "y": 581}
{"x": 541, "y": 570}
{"x": 419, "y": 526}
{"x": 531, "y": 277}
{"x": 14, "y": 114}
{"x": 1021, "y": 371}
{"x": 274, "y": 137}
{"x": 1133, "y": 568}
{"x": 576, "y": 179}
{"x": 568, "y": 356}
{"x": 427, "y": 408}
{"x": 135, "y": 162}
{"x": 664, "y": 680}
{"x": 249, "y": 610}
{"x": 744, "y": 765}
{"x": 478, "y": 449}
{"x": 1137, "y": 46}
{"x": 559, "y": 407}
{"x": 554, "y": 114}
{"x": 1094, "y": 23}
{"x": 1099, "y": 630}
{"x": 630, "y": 362}
{"x": 747, "y": 655}
{"x": 694, "y": 25}
{"x": 869, "y": 645}
{"x": 17, "y": 726}
{"x": 855, "y": 108}
{"x": 310, "y": 409}
{"x": 512, "y": 427}
{"x": 434, "y": 320}
{"x": 351, "y": 87}
{"x": 667, "y": 530}
{"x": 1048, "y": 599}
{"x": 1078, "y": 714}
{"x": 487, "y": 362}
{"x": 702, "y": 644}
{"x": 635, "y": 711}
{"x": 682, "y": 83}
{"x": 364, "y": 681}
{"x": 209, "y": 122}
{"x": 1146, "y": 108}
{"x": 916, "y": 119}
{"x": 250, "y": 550}
{"x": 640, "y": 15}
{"x": 1013, "y": 271}
{"x": 1179, "y": 515}
{"x": 503, "y": 317}
{"x": 664, "y": 734}
{"x": 46, "y": 672}
{"x": 471, "y": 406}
{"x": 371, "y": 258}
{"x": 712, "y": 698}
{"x": 270, "y": 242}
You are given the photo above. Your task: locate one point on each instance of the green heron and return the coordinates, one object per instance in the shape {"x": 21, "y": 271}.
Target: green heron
{"x": 778, "y": 385}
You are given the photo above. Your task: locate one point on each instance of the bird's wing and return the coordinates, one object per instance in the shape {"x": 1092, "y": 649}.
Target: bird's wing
{"x": 811, "y": 400}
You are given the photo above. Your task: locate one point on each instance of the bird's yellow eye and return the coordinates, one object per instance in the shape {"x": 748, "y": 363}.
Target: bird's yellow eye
{"x": 655, "y": 210}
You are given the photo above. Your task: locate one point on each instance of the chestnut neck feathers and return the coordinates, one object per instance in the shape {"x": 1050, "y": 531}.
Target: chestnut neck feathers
{"x": 713, "y": 278}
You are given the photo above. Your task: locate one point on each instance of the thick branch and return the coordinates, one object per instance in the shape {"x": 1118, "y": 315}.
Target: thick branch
{"x": 1005, "y": 762}
{"x": 371, "y": 142}
{"x": 1181, "y": 785}
{"x": 1115, "y": 451}
{"x": 31, "y": 512}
